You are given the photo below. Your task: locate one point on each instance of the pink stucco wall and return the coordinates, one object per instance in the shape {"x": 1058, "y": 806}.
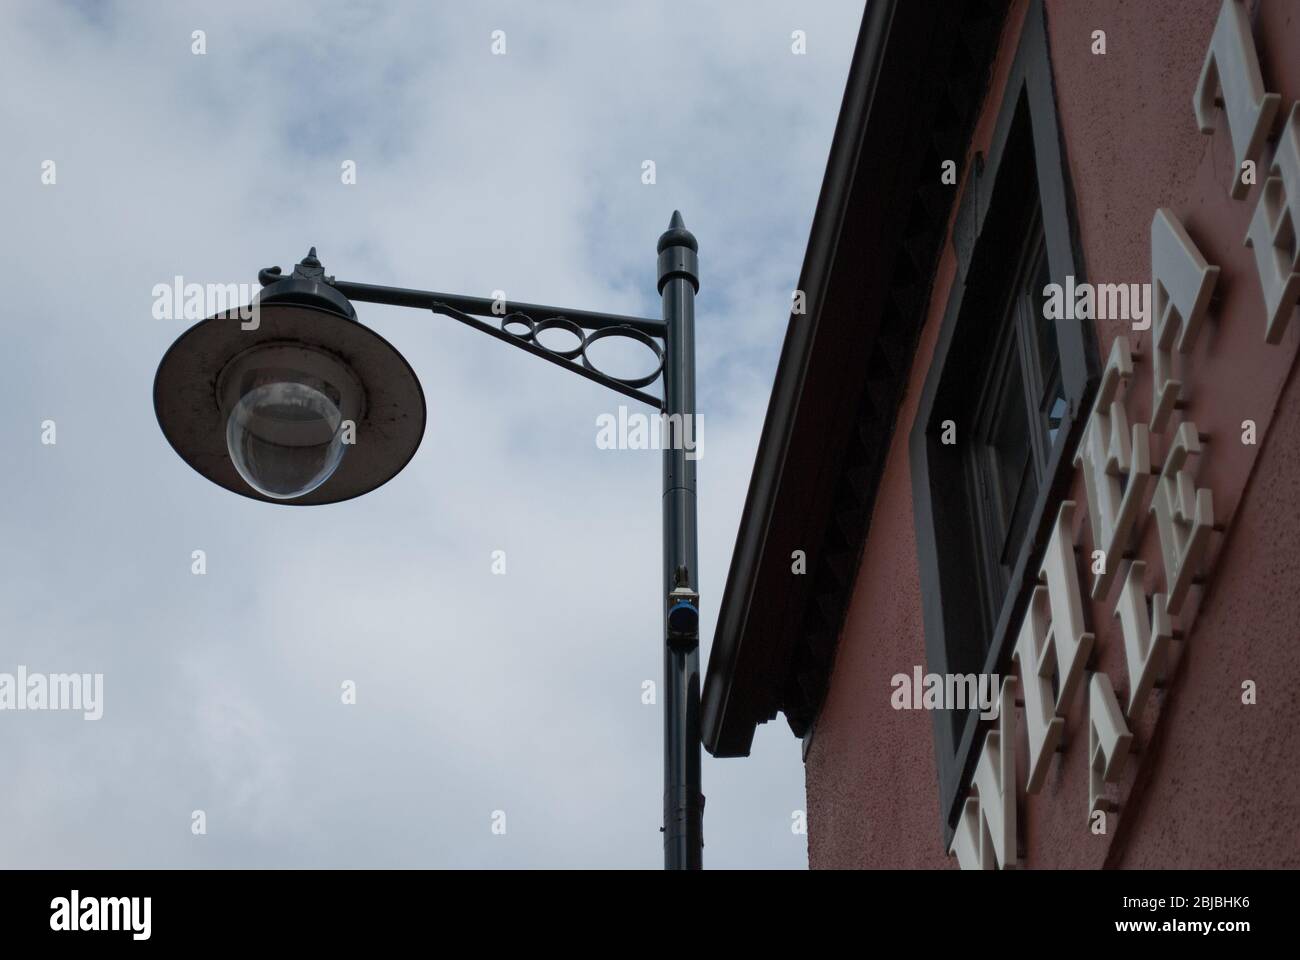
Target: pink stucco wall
{"x": 1215, "y": 782}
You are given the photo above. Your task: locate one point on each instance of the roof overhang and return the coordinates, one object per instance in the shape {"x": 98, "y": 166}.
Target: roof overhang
{"x": 915, "y": 84}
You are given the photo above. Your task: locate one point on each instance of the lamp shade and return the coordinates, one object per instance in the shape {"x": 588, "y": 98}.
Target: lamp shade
{"x": 301, "y": 404}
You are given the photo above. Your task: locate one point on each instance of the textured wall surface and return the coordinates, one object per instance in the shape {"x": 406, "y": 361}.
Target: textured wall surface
{"x": 1215, "y": 782}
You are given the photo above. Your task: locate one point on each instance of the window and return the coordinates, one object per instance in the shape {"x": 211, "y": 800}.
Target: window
{"x": 1017, "y": 413}
{"x": 1016, "y": 389}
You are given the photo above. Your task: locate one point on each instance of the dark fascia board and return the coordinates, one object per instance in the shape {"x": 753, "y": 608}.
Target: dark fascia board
{"x": 727, "y": 726}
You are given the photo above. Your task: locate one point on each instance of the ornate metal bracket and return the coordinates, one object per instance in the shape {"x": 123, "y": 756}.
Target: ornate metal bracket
{"x": 534, "y": 319}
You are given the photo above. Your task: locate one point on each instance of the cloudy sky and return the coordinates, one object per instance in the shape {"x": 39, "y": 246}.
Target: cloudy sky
{"x": 475, "y": 172}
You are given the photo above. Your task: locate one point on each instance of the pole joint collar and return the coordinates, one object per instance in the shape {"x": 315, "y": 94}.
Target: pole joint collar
{"x": 679, "y": 262}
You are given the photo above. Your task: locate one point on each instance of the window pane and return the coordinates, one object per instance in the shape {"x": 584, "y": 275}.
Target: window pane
{"x": 1052, "y": 404}
{"x": 1048, "y": 352}
{"x": 1011, "y": 445}
{"x": 1024, "y": 506}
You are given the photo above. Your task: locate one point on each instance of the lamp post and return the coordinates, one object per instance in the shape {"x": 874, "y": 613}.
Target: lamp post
{"x": 299, "y": 403}
{"x": 683, "y": 801}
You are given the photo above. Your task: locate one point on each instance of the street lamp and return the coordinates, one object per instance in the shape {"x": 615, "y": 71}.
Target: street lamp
{"x": 301, "y": 404}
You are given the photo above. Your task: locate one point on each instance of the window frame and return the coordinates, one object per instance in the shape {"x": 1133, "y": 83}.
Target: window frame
{"x": 983, "y": 231}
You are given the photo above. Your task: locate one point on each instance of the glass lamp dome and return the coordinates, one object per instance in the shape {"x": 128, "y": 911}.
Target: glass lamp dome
{"x": 285, "y": 438}
{"x": 291, "y": 412}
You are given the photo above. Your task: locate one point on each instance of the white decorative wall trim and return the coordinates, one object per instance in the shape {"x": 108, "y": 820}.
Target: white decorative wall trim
{"x": 986, "y": 832}
{"x": 1037, "y": 665}
{"x": 1146, "y": 637}
{"x": 1230, "y": 78}
{"x": 1116, "y": 464}
{"x": 1182, "y": 285}
{"x": 1109, "y": 740}
{"x": 1184, "y": 516}
{"x": 1274, "y": 231}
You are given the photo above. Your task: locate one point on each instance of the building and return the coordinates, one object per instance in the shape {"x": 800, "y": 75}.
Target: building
{"x": 1035, "y": 433}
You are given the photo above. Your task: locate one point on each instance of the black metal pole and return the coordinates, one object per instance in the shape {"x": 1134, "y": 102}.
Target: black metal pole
{"x": 683, "y": 800}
